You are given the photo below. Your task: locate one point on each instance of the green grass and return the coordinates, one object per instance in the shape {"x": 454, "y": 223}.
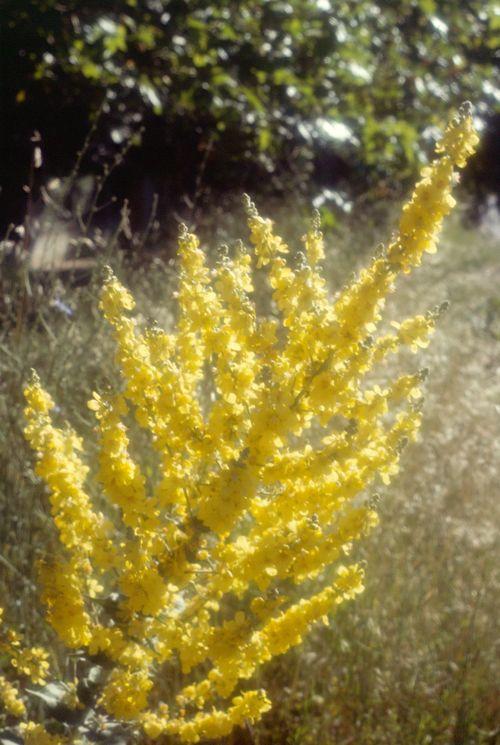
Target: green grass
{"x": 415, "y": 659}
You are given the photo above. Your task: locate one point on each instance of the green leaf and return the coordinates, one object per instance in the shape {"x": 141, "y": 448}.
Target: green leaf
{"x": 90, "y": 70}
{"x": 284, "y": 76}
{"x": 7, "y": 739}
{"x": 428, "y": 6}
{"x": 252, "y": 98}
{"x": 221, "y": 78}
{"x": 265, "y": 139}
{"x": 146, "y": 36}
{"x": 52, "y": 694}
{"x": 328, "y": 219}
{"x": 116, "y": 42}
{"x": 95, "y": 674}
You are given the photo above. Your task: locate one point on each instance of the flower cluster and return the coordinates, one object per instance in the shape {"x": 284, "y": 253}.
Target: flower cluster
{"x": 231, "y": 541}
{"x": 26, "y": 664}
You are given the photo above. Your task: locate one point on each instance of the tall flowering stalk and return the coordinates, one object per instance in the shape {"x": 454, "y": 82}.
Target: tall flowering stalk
{"x": 236, "y": 543}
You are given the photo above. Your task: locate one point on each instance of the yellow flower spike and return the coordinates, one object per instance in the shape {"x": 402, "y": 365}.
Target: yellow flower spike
{"x": 10, "y": 698}
{"x": 36, "y": 734}
{"x": 125, "y": 694}
{"x": 115, "y": 299}
{"x": 313, "y": 241}
{"x": 267, "y": 434}
{"x": 267, "y": 245}
{"x": 199, "y": 307}
{"x": 236, "y": 365}
{"x": 249, "y": 706}
{"x": 25, "y": 661}
{"x": 32, "y": 662}
{"x": 282, "y": 632}
{"x": 422, "y": 217}
{"x": 63, "y": 595}
{"x": 460, "y": 140}
{"x": 82, "y": 531}
{"x": 37, "y": 399}
{"x": 119, "y": 474}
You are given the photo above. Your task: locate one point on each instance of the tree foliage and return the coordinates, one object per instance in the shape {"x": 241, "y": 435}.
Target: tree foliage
{"x": 272, "y": 81}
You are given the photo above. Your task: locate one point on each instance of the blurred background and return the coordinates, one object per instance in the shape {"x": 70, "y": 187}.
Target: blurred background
{"x": 122, "y": 119}
{"x": 330, "y": 99}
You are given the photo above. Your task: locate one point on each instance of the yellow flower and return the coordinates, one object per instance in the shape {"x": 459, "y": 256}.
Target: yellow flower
{"x": 125, "y": 694}
{"x": 32, "y": 662}
{"x": 10, "y": 698}
{"x": 36, "y": 734}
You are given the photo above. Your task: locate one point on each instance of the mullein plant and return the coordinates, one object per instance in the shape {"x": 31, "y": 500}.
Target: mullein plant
{"x": 267, "y": 435}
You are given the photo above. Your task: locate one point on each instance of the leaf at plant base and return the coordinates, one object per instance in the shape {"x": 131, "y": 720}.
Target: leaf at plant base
{"x": 51, "y": 694}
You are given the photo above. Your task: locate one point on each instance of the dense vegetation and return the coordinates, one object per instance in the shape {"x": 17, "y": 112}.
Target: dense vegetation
{"x": 230, "y": 91}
